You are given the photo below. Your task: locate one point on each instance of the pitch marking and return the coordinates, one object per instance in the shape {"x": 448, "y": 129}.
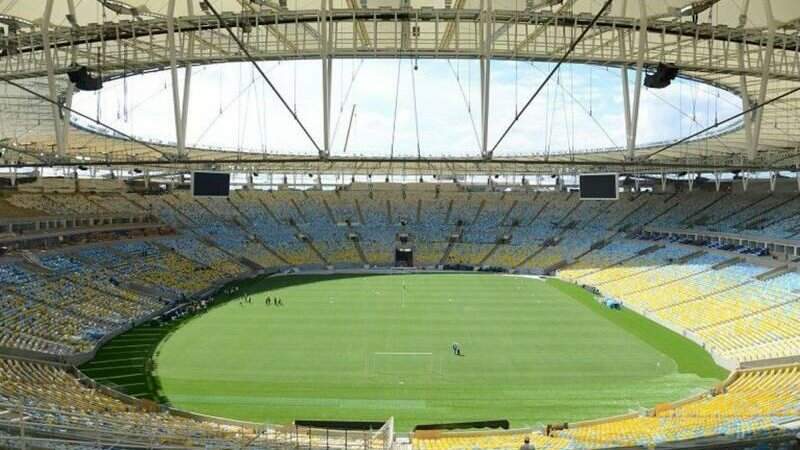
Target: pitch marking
{"x": 403, "y": 353}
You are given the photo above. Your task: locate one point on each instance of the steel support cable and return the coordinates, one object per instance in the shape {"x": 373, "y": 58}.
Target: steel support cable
{"x": 261, "y": 119}
{"x": 396, "y": 101}
{"x": 722, "y": 122}
{"x": 684, "y": 114}
{"x": 223, "y": 110}
{"x": 80, "y": 114}
{"x": 346, "y": 97}
{"x": 569, "y": 119}
{"x": 261, "y": 72}
{"x": 551, "y": 98}
{"x": 243, "y": 124}
{"x": 581, "y": 106}
{"x": 561, "y": 60}
{"x": 466, "y": 103}
{"x": 416, "y": 115}
{"x": 131, "y": 109}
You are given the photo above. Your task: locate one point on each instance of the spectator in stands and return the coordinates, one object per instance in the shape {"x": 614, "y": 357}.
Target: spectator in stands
{"x": 527, "y": 445}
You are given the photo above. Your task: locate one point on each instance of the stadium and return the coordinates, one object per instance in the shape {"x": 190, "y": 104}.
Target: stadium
{"x": 408, "y": 225}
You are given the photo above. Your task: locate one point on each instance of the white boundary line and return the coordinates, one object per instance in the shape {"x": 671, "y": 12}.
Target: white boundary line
{"x": 404, "y": 353}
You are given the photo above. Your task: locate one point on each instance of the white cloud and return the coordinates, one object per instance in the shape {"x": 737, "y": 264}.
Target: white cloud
{"x": 232, "y": 108}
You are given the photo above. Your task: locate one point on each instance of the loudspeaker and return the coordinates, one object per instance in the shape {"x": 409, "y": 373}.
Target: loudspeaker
{"x": 84, "y": 81}
{"x": 662, "y": 77}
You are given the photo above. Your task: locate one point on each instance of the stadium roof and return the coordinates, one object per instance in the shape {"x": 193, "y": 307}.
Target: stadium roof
{"x": 747, "y": 47}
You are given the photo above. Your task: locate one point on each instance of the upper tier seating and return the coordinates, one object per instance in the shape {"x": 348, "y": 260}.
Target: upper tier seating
{"x": 728, "y": 309}
{"x": 11, "y": 210}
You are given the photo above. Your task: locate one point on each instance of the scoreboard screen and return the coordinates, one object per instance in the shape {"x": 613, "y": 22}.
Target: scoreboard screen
{"x": 599, "y": 187}
{"x": 211, "y": 184}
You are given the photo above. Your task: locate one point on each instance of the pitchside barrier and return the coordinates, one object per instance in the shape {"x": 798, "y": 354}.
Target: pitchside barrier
{"x": 79, "y": 429}
{"x": 442, "y": 433}
{"x": 330, "y": 438}
{"x": 304, "y": 433}
{"x": 497, "y": 424}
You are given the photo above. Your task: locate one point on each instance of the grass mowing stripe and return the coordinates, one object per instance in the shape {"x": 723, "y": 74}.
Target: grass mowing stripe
{"x": 108, "y": 368}
{"x": 690, "y": 357}
{"x": 116, "y": 377}
{"x": 535, "y": 352}
{"x": 108, "y": 357}
{"x": 106, "y": 361}
{"x": 115, "y": 347}
{"x": 128, "y": 385}
{"x": 323, "y": 402}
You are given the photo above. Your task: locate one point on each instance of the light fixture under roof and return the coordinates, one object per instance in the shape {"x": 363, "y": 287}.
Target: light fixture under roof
{"x": 695, "y": 8}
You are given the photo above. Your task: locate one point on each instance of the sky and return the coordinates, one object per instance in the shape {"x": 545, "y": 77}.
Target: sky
{"x": 405, "y": 108}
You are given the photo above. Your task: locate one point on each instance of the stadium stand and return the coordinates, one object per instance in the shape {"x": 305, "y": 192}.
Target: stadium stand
{"x": 223, "y": 238}
{"x": 750, "y": 401}
{"x": 57, "y": 408}
{"x": 55, "y": 403}
{"x": 744, "y": 309}
{"x": 159, "y": 156}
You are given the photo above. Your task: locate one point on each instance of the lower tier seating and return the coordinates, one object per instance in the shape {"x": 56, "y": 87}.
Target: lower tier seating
{"x": 754, "y": 400}
{"x": 53, "y": 408}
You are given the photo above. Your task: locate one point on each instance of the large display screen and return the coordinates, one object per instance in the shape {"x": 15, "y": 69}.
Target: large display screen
{"x": 599, "y": 187}
{"x": 211, "y": 184}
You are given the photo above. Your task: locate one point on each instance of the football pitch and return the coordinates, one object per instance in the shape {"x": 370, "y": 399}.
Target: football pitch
{"x": 369, "y": 347}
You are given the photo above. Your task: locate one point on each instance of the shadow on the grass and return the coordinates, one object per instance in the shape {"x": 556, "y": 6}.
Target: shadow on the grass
{"x": 137, "y": 376}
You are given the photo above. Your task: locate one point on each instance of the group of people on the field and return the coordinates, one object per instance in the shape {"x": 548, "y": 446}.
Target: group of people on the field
{"x": 267, "y": 301}
{"x": 277, "y": 301}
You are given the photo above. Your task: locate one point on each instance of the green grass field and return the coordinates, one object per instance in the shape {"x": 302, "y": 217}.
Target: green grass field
{"x": 370, "y": 347}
